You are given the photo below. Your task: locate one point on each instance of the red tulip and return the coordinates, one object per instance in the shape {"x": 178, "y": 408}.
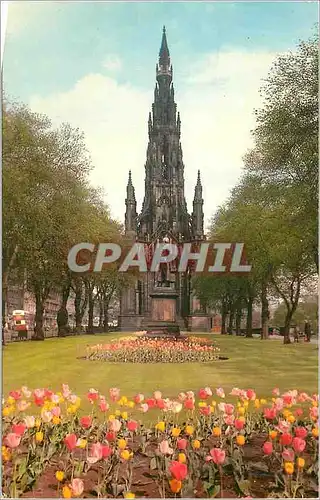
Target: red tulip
{"x": 267, "y": 448}
{"x": 110, "y": 436}
{"x": 93, "y": 395}
{"x": 132, "y": 425}
{"x": 251, "y": 394}
{"x": 70, "y": 441}
{"x": 301, "y": 432}
{"x": 182, "y": 444}
{"x": 15, "y": 394}
{"x": 298, "y": 444}
{"x": 239, "y": 424}
{"x": 86, "y": 422}
{"x": 285, "y": 439}
{"x": 160, "y": 404}
{"x": 178, "y": 470}
{"x": 203, "y": 394}
{"x": 189, "y": 404}
{"x": 19, "y": 429}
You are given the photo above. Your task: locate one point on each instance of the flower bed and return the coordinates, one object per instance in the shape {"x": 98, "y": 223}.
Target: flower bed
{"x": 146, "y": 350}
{"x": 198, "y": 445}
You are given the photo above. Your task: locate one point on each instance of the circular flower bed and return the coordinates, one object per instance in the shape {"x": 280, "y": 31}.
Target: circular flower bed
{"x": 197, "y": 446}
{"x": 146, "y": 350}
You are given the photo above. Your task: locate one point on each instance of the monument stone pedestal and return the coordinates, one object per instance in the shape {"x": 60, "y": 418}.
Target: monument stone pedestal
{"x": 163, "y": 322}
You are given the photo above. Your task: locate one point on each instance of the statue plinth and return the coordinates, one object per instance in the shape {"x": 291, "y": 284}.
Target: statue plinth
{"x": 163, "y": 313}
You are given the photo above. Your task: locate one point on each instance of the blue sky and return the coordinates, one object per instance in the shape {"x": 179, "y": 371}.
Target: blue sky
{"x": 58, "y": 52}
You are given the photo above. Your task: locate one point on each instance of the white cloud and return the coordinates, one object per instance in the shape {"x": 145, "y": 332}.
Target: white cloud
{"x": 216, "y": 111}
{"x": 112, "y": 63}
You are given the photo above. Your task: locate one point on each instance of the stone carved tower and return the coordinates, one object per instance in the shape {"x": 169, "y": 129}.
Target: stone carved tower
{"x": 164, "y": 209}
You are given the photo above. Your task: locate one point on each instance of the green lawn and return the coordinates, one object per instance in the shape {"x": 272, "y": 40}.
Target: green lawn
{"x": 261, "y": 365}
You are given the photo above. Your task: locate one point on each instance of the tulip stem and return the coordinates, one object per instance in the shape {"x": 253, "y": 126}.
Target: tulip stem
{"x": 221, "y": 483}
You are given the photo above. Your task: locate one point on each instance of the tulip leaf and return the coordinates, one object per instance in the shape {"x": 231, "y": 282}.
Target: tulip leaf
{"x": 153, "y": 463}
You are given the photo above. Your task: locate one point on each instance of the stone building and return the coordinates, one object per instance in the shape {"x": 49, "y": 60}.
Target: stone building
{"x": 164, "y": 215}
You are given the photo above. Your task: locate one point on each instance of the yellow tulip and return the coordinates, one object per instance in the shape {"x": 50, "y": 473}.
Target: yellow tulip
{"x": 37, "y": 423}
{"x": 124, "y": 415}
{"x": 122, "y": 443}
{"x": 300, "y": 462}
{"x": 126, "y": 454}
{"x": 257, "y": 403}
{"x": 175, "y": 431}
{"x": 56, "y": 420}
{"x": 59, "y": 475}
{"x": 6, "y": 412}
{"x": 315, "y": 432}
{"x": 129, "y": 495}
{"x": 182, "y": 458}
{"x": 241, "y": 410}
{"x": 273, "y": 434}
{"x": 196, "y": 444}
{"x": 160, "y": 426}
{"x": 289, "y": 467}
{"x": 240, "y": 440}
{"x": 117, "y": 413}
{"x": 82, "y": 443}
{"x": 216, "y": 431}
{"x": 111, "y": 417}
{"x": 189, "y": 430}
{"x": 246, "y": 404}
{"x": 291, "y": 419}
{"x": 39, "y": 437}
{"x": 66, "y": 492}
{"x": 131, "y": 404}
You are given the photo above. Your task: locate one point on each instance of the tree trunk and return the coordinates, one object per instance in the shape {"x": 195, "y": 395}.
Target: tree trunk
{"x": 4, "y": 305}
{"x": 231, "y": 320}
{"x": 224, "y": 313}
{"x": 238, "y": 321}
{"x": 249, "y": 317}
{"x": 264, "y": 313}
{"x": 79, "y": 306}
{"x": 106, "y": 313}
{"x": 62, "y": 315}
{"x": 38, "y": 329}
{"x": 101, "y": 313}
{"x": 90, "y": 312}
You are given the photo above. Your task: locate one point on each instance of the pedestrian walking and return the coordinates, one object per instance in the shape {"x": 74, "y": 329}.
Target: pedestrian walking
{"x": 307, "y": 331}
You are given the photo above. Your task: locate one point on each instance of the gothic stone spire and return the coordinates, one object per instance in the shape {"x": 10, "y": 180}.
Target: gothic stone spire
{"x": 197, "y": 214}
{"x": 131, "y": 208}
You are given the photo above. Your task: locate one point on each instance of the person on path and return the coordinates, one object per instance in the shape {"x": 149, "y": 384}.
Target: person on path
{"x": 307, "y": 331}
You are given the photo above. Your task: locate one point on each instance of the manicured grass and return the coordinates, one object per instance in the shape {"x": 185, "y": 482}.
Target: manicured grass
{"x": 253, "y": 363}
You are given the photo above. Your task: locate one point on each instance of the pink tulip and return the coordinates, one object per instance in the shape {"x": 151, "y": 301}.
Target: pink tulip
{"x": 23, "y": 405}
{"x": 103, "y": 405}
{"x": 56, "y": 411}
{"x": 298, "y": 444}
{"x": 176, "y": 407}
{"x": 288, "y": 455}
{"x": 164, "y": 448}
{"x": 313, "y": 412}
{"x": 182, "y": 396}
{"x": 301, "y": 432}
{"x": 279, "y": 404}
{"x": 93, "y": 395}
{"x": 114, "y": 394}
{"x": 267, "y": 448}
{"x": 269, "y": 413}
{"x": 217, "y": 455}
{"x": 182, "y": 444}
{"x": 115, "y": 425}
{"x": 189, "y": 404}
{"x": 12, "y": 440}
{"x": 144, "y": 407}
{"x": 276, "y": 391}
{"x": 97, "y": 452}
{"x": 77, "y": 486}
{"x": 229, "y": 419}
{"x": 15, "y": 395}
{"x": 39, "y": 393}
{"x": 283, "y": 426}
{"x": 220, "y": 393}
{"x": 65, "y": 391}
{"x": 46, "y": 416}
{"x": 55, "y": 398}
